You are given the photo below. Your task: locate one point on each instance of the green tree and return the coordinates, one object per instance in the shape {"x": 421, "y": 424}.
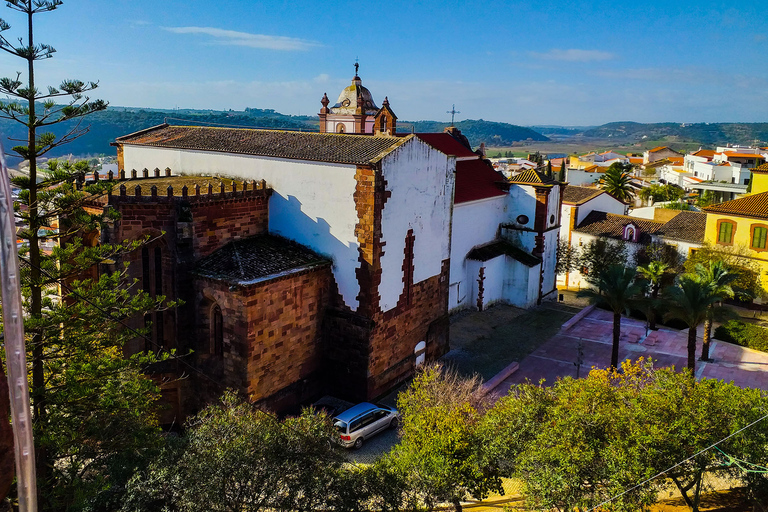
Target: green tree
{"x": 692, "y": 299}
{"x": 23, "y": 108}
{"x": 586, "y": 443}
{"x": 653, "y": 273}
{"x": 616, "y": 288}
{"x": 599, "y": 254}
{"x": 717, "y": 274}
{"x": 736, "y": 261}
{"x": 441, "y": 453}
{"x": 561, "y": 174}
{"x": 568, "y": 257}
{"x": 234, "y": 458}
{"x": 617, "y": 181}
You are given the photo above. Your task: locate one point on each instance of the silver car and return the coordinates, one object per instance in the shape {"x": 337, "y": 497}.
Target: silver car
{"x": 364, "y": 421}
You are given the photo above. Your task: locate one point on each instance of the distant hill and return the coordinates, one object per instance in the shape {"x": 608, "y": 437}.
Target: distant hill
{"x": 477, "y": 131}
{"x": 117, "y": 121}
{"x": 702, "y": 133}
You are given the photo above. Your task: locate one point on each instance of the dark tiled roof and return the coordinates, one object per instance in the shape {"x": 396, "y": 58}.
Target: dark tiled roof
{"x": 760, "y": 169}
{"x": 755, "y": 205}
{"x": 497, "y": 248}
{"x": 320, "y": 147}
{"x": 531, "y": 176}
{"x": 575, "y": 194}
{"x": 258, "y": 258}
{"x": 446, "y": 143}
{"x": 475, "y": 179}
{"x": 685, "y": 226}
{"x": 609, "y": 225}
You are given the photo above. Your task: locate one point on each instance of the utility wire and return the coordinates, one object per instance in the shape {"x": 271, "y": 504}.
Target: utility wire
{"x": 713, "y": 445}
{"x": 138, "y": 334}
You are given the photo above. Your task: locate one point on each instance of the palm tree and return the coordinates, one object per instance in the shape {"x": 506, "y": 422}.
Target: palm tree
{"x": 720, "y": 278}
{"x": 616, "y": 288}
{"x": 653, "y": 272}
{"x": 616, "y": 181}
{"x": 690, "y": 300}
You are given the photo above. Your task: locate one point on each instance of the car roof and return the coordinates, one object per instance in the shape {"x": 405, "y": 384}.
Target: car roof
{"x": 356, "y": 411}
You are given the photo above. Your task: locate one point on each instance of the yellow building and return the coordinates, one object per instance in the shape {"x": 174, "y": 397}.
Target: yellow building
{"x": 743, "y": 223}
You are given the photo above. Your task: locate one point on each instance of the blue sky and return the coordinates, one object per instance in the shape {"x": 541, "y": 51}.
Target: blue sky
{"x": 544, "y": 62}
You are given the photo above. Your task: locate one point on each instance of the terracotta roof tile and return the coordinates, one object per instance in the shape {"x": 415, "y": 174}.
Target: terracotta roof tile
{"x": 576, "y": 195}
{"x": 602, "y": 224}
{"x": 658, "y": 148}
{"x": 706, "y": 153}
{"x": 760, "y": 169}
{"x": 531, "y": 176}
{"x": 321, "y": 147}
{"x": 755, "y": 205}
{"x": 743, "y": 155}
{"x": 446, "y": 143}
{"x": 258, "y": 258}
{"x": 475, "y": 179}
{"x": 686, "y": 226}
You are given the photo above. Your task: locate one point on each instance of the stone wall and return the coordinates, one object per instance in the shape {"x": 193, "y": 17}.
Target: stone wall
{"x": 273, "y": 348}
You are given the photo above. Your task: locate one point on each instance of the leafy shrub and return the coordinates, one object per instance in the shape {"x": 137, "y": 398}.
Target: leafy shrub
{"x": 746, "y": 335}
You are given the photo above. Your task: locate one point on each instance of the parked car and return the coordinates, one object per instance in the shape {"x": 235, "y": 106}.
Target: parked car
{"x": 364, "y": 421}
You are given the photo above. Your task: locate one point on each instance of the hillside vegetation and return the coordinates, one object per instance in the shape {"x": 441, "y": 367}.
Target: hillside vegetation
{"x": 702, "y": 133}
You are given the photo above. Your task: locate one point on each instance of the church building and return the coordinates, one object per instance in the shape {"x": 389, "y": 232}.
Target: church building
{"x": 314, "y": 263}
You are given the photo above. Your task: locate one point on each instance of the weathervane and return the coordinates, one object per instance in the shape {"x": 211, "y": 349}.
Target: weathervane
{"x": 357, "y": 66}
{"x": 453, "y": 112}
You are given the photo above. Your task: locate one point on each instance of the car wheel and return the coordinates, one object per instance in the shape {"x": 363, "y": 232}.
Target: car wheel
{"x": 394, "y": 423}
{"x": 358, "y": 443}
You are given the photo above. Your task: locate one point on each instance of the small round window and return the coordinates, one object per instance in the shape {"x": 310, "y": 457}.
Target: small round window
{"x": 551, "y": 219}
{"x": 522, "y": 219}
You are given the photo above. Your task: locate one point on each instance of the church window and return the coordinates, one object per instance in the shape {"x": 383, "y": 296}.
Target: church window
{"x": 340, "y": 128}
{"x": 725, "y": 231}
{"x": 158, "y": 271}
{"x": 630, "y": 233}
{"x": 420, "y": 352}
{"x": 145, "y": 277}
{"x": 759, "y": 238}
{"x": 217, "y": 331}
{"x": 383, "y": 124}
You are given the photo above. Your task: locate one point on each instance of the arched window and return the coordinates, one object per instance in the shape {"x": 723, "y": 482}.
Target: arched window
{"x": 217, "y": 331}
{"x": 420, "y": 352}
{"x": 630, "y": 233}
{"x": 340, "y": 128}
{"x": 383, "y": 124}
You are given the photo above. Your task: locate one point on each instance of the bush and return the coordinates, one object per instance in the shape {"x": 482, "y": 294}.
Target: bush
{"x": 746, "y": 335}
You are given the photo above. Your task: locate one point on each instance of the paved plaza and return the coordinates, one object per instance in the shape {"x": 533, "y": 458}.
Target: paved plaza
{"x": 667, "y": 347}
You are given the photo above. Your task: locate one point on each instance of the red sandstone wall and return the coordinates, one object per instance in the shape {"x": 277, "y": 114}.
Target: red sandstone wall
{"x": 272, "y": 335}
{"x": 217, "y": 223}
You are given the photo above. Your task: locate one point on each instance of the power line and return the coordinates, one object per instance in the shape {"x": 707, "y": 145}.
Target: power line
{"x": 713, "y": 445}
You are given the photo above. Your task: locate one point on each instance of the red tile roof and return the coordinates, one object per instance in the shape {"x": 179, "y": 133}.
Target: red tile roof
{"x": 706, "y": 153}
{"x": 755, "y": 205}
{"x": 760, "y": 169}
{"x": 445, "y": 143}
{"x": 475, "y": 180}
{"x": 743, "y": 155}
{"x": 657, "y": 148}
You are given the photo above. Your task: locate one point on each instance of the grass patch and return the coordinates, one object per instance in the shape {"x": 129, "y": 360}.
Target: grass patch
{"x": 485, "y": 343}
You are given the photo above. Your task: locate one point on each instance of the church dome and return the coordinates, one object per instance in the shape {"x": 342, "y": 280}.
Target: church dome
{"x": 355, "y": 96}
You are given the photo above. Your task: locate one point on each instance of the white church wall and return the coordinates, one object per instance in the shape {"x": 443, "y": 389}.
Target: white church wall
{"x": 312, "y": 203}
{"x": 474, "y": 223}
{"x": 421, "y": 181}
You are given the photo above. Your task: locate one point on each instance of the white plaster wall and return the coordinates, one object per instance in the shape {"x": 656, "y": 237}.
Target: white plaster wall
{"x": 579, "y": 177}
{"x": 601, "y": 203}
{"x": 474, "y": 223}
{"x": 493, "y": 284}
{"x": 421, "y": 181}
{"x": 312, "y": 202}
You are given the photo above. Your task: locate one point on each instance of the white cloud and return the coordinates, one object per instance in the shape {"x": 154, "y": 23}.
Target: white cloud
{"x": 235, "y": 38}
{"x": 573, "y": 55}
